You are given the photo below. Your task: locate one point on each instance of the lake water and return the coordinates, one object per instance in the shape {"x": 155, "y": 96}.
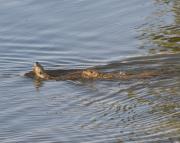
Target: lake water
{"x": 133, "y": 35}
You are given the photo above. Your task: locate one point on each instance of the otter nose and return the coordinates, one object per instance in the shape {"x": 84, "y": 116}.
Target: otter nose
{"x": 36, "y": 64}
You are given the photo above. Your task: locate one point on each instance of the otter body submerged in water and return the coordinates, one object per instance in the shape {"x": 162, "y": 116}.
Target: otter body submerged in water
{"x": 84, "y": 74}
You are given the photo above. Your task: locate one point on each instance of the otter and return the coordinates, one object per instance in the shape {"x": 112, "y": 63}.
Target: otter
{"x": 40, "y": 73}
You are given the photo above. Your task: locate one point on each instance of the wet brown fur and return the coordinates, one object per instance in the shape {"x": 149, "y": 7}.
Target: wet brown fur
{"x": 39, "y": 73}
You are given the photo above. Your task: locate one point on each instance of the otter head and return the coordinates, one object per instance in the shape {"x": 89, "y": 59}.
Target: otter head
{"x": 39, "y": 71}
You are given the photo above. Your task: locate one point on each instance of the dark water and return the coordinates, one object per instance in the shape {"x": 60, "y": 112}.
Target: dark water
{"x": 132, "y": 35}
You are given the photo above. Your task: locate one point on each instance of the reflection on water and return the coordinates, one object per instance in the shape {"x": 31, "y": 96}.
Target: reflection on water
{"x": 165, "y": 37}
{"x": 169, "y": 36}
{"x": 80, "y": 34}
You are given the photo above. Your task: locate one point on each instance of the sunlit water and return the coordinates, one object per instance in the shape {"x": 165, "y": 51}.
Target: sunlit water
{"x": 131, "y": 35}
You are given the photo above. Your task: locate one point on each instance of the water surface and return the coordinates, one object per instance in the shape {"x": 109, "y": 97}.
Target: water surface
{"x": 131, "y": 35}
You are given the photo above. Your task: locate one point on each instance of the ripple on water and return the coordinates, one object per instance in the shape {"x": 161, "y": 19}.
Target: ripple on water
{"x": 80, "y": 34}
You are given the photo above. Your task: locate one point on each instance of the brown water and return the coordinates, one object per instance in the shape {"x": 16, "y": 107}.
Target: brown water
{"x": 133, "y": 35}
